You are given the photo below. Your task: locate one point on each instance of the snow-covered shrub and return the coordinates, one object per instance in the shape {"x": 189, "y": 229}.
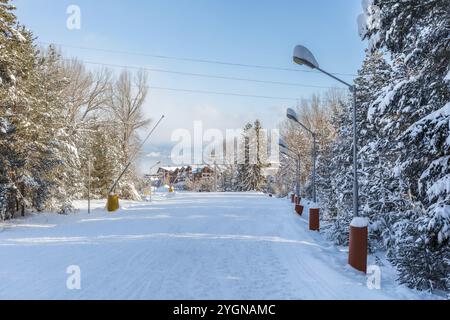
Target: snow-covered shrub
{"x": 421, "y": 254}
{"x": 67, "y": 208}
{"x": 338, "y": 230}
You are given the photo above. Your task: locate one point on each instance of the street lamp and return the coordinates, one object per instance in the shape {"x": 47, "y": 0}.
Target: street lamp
{"x": 292, "y": 115}
{"x": 357, "y": 256}
{"x": 283, "y": 145}
{"x": 151, "y": 168}
{"x": 303, "y": 56}
{"x": 150, "y": 175}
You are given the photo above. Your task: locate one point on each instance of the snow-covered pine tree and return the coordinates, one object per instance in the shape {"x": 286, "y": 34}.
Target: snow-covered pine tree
{"x": 374, "y": 160}
{"x": 284, "y": 184}
{"x": 227, "y": 178}
{"x": 243, "y": 167}
{"x": 339, "y": 195}
{"x": 35, "y": 152}
{"x": 104, "y": 156}
{"x": 249, "y": 174}
{"x": 17, "y": 58}
{"x": 413, "y": 114}
{"x": 327, "y": 170}
{"x": 60, "y": 156}
{"x": 257, "y": 179}
{"x": 341, "y": 181}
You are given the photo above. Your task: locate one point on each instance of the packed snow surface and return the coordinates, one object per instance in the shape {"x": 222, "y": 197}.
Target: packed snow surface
{"x": 188, "y": 246}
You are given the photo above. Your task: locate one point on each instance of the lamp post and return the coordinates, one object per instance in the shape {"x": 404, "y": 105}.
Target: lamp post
{"x": 89, "y": 185}
{"x": 150, "y": 172}
{"x": 292, "y": 115}
{"x": 303, "y": 56}
{"x": 215, "y": 176}
{"x": 359, "y": 227}
{"x": 151, "y": 168}
{"x": 283, "y": 145}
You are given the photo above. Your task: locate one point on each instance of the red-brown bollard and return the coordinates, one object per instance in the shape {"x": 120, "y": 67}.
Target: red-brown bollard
{"x": 293, "y": 198}
{"x": 314, "y": 222}
{"x": 299, "y": 209}
{"x": 299, "y": 200}
{"x": 357, "y": 256}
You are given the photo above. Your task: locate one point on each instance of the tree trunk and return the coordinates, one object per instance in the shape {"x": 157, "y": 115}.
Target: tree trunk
{"x": 22, "y": 191}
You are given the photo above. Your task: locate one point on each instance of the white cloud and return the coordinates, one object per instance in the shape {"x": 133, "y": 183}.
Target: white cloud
{"x": 153, "y": 155}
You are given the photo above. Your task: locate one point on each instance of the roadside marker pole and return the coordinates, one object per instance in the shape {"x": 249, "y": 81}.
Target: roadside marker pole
{"x": 89, "y": 185}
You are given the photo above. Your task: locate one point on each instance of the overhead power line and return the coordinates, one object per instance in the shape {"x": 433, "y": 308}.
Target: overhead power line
{"x": 202, "y": 75}
{"x": 234, "y": 64}
{"x": 222, "y": 93}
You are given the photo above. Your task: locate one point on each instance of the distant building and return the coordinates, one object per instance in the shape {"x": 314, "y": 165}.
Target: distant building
{"x": 179, "y": 176}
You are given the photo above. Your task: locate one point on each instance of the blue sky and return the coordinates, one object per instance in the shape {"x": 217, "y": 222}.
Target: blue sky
{"x": 262, "y": 32}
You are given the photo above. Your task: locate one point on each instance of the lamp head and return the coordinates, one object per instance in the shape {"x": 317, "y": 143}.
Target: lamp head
{"x": 303, "y": 56}
{"x": 292, "y": 115}
{"x": 282, "y": 143}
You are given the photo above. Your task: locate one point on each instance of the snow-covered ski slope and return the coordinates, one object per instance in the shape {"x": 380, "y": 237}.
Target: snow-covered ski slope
{"x": 190, "y": 246}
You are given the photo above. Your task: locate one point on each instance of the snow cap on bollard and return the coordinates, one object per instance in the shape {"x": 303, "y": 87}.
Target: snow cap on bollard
{"x": 357, "y": 256}
{"x": 314, "y": 221}
{"x": 359, "y": 222}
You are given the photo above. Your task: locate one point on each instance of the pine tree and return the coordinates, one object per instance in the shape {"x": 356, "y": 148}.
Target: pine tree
{"x": 284, "y": 184}
{"x": 243, "y": 167}
{"x": 250, "y": 173}
{"x": 374, "y": 166}
{"x": 59, "y": 156}
{"x": 104, "y": 161}
{"x": 37, "y": 158}
{"x": 342, "y": 178}
{"x": 260, "y": 146}
{"x": 327, "y": 170}
{"x": 227, "y": 180}
{"x": 17, "y": 56}
{"x": 412, "y": 114}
